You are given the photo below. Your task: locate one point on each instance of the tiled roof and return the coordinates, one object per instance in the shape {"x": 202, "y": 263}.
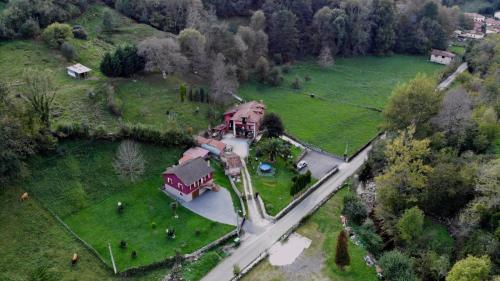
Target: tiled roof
{"x": 253, "y": 112}
{"x": 191, "y": 171}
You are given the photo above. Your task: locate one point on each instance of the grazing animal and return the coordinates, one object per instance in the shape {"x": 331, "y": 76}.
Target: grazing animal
{"x": 24, "y": 197}
{"x": 74, "y": 259}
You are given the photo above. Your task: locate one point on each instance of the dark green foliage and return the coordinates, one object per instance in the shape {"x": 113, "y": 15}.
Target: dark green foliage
{"x": 68, "y": 51}
{"x": 275, "y": 78}
{"x": 123, "y": 62}
{"x": 24, "y": 18}
{"x": 182, "y": 92}
{"x": 383, "y": 18}
{"x": 296, "y": 83}
{"x": 371, "y": 241}
{"x": 354, "y": 209}
{"x": 397, "y": 267}
{"x": 29, "y": 29}
{"x": 300, "y": 182}
{"x": 342, "y": 258}
{"x": 171, "y": 138}
{"x": 480, "y": 243}
{"x": 114, "y": 104}
{"x": 283, "y": 34}
{"x": 79, "y": 32}
{"x": 123, "y": 244}
{"x": 272, "y": 125}
{"x": 56, "y": 34}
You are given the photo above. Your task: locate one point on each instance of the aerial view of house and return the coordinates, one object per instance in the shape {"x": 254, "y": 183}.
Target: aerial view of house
{"x": 276, "y": 140}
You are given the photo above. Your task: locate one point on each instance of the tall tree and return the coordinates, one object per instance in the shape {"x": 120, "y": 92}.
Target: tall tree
{"x": 272, "y": 125}
{"x": 342, "y": 258}
{"x": 325, "y": 58}
{"x": 41, "y": 93}
{"x": 411, "y": 225}
{"x": 329, "y": 26}
{"x": 283, "y": 34}
{"x": 383, "y": 19}
{"x": 357, "y": 39}
{"x": 163, "y": 54}
{"x": 192, "y": 44}
{"x": 224, "y": 80}
{"x": 406, "y": 175}
{"x": 129, "y": 162}
{"x": 413, "y": 103}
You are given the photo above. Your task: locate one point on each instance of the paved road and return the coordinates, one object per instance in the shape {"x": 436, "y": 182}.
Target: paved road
{"x": 253, "y": 248}
{"x": 447, "y": 82}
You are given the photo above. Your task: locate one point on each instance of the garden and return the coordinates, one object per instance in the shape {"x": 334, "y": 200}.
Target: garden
{"x": 81, "y": 186}
{"x": 339, "y": 108}
{"x": 274, "y": 186}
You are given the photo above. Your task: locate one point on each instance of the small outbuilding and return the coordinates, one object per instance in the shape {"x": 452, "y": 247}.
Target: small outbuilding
{"x": 232, "y": 164}
{"x": 78, "y": 71}
{"x": 442, "y": 57}
{"x": 192, "y": 153}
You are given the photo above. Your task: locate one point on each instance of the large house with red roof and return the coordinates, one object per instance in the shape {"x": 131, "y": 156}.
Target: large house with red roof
{"x": 244, "y": 120}
{"x": 189, "y": 179}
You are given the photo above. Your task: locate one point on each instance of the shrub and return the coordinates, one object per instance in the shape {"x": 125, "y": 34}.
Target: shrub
{"x": 133, "y": 254}
{"x": 236, "y": 270}
{"x": 296, "y": 83}
{"x": 197, "y": 232}
{"x": 286, "y": 68}
{"x": 79, "y": 32}
{"x": 275, "y": 78}
{"x": 141, "y": 133}
{"x": 397, "y": 266}
{"x": 123, "y": 244}
{"x": 68, "y": 51}
{"x": 272, "y": 125}
{"x": 372, "y": 242}
{"x": 278, "y": 59}
{"x": 307, "y": 78}
{"x": 123, "y": 62}
{"x": 29, "y": 29}
{"x": 153, "y": 225}
{"x": 56, "y": 34}
{"x": 354, "y": 209}
{"x": 300, "y": 182}
{"x": 115, "y": 105}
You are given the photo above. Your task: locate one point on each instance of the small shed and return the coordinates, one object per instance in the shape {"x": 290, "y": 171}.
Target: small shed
{"x": 78, "y": 71}
{"x": 194, "y": 153}
{"x": 442, "y": 57}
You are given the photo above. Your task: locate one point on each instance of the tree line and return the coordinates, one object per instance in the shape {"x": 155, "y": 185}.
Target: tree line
{"x": 438, "y": 164}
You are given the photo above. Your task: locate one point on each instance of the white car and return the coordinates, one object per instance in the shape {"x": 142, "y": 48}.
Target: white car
{"x": 301, "y": 165}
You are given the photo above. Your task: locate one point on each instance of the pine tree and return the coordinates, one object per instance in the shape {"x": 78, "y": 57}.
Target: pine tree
{"x": 106, "y": 65}
{"x": 342, "y": 258}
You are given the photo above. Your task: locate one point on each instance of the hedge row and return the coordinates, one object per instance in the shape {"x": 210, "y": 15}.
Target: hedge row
{"x": 137, "y": 132}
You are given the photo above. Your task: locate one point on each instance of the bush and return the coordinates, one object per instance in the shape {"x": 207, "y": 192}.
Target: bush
{"x": 354, "y": 209}
{"x": 123, "y": 62}
{"x": 141, "y": 133}
{"x": 79, "y": 32}
{"x": 133, "y": 254}
{"x": 372, "y": 242}
{"x": 153, "y": 225}
{"x": 300, "y": 182}
{"x": 236, "y": 270}
{"x": 73, "y": 130}
{"x": 115, "y": 105}
{"x": 275, "y": 78}
{"x": 286, "y": 68}
{"x": 296, "y": 83}
{"x": 278, "y": 59}
{"x": 397, "y": 266}
{"x": 68, "y": 51}
{"x": 56, "y": 34}
{"x": 29, "y": 29}
{"x": 123, "y": 244}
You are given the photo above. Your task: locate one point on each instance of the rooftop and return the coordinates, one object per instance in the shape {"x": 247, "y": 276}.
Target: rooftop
{"x": 78, "y": 68}
{"x": 191, "y": 171}
{"x": 253, "y": 111}
{"x": 215, "y": 143}
{"x": 442, "y": 53}
{"x": 193, "y": 153}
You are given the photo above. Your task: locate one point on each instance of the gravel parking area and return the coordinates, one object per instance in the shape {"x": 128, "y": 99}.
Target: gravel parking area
{"x": 319, "y": 164}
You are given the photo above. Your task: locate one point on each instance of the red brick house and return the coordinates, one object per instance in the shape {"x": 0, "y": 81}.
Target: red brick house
{"x": 244, "y": 120}
{"x": 189, "y": 179}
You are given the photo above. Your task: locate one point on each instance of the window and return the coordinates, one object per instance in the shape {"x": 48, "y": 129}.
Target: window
{"x": 169, "y": 180}
{"x": 179, "y": 185}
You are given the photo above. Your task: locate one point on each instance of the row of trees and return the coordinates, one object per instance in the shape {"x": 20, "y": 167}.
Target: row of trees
{"x": 437, "y": 165}
{"x": 25, "y": 18}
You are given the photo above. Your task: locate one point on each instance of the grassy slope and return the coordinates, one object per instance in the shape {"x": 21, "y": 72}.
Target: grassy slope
{"x": 322, "y": 228}
{"x": 339, "y": 114}
{"x": 83, "y": 189}
{"x": 145, "y": 101}
{"x": 148, "y": 99}
{"x": 33, "y": 238}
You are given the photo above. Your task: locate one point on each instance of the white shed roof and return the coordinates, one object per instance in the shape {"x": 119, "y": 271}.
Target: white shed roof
{"x": 78, "y": 68}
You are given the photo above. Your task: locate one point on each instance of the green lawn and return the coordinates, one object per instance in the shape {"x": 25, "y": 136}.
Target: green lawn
{"x": 459, "y": 50}
{"x": 274, "y": 190}
{"x": 322, "y": 228}
{"x": 82, "y": 187}
{"x": 34, "y": 239}
{"x": 347, "y": 97}
{"x": 148, "y": 99}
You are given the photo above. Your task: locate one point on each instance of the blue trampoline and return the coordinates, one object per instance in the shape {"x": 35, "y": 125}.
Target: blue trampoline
{"x": 265, "y": 168}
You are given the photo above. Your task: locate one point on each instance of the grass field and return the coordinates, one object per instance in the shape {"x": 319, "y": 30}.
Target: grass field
{"x": 322, "y": 228}
{"x": 148, "y": 99}
{"x": 145, "y": 101}
{"x": 82, "y": 187}
{"x": 348, "y": 97}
